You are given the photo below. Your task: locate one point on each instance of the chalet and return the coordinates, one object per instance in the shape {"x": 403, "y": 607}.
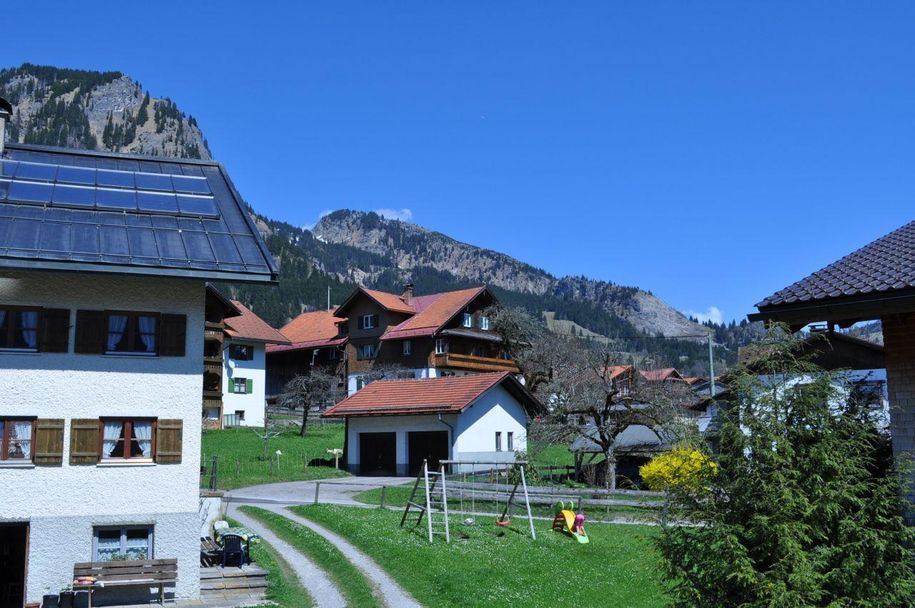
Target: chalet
{"x": 244, "y": 364}
{"x": 875, "y": 282}
{"x": 393, "y": 425}
{"x": 314, "y": 339}
{"x": 104, "y": 260}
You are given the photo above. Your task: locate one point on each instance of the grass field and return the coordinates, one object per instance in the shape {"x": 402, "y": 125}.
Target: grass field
{"x": 397, "y": 497}
{"x": 618, "y": 567}
{"x": 352, "y": 584}
{"x": 283, "y": 587}
{"x": 241, "y": 463}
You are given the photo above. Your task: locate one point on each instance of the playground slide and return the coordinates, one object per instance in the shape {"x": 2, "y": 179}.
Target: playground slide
{"x": 569, "y": 517}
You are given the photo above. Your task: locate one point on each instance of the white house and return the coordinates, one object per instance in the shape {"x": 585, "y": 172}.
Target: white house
{"x": 103, "y": 264}
{"x": 244, "y": 367}
{"x": 393, "y": 425}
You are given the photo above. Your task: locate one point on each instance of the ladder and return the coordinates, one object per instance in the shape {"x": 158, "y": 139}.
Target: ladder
{"x": 436, "y": 502}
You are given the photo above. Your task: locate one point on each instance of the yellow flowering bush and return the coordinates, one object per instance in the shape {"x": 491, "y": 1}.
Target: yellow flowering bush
{"x": 681, "y": 468}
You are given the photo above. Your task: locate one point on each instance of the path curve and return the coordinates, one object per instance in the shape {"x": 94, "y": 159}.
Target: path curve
{"x": 391, "y": 593}
{"x": 318, "y": 584}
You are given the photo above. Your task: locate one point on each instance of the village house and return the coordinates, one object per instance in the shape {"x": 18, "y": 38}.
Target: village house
{"x": 375, "y": 333}
{"x": 104, "y": 260}
{"x": 393, "y": 425}
{"x": 875, "y": 282}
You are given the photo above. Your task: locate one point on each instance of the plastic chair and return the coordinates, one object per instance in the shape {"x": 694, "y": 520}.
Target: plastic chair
{"x": 233, "y": 546}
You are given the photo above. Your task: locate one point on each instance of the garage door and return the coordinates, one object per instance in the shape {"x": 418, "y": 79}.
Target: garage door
{"x": 427, "y": 445}
{"x": 377, "y": 453}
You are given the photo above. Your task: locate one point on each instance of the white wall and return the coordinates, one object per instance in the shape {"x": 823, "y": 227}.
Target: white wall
{"x": 497, "y": 410}
{"x": 252, "y": 404}
{"x": 62, "y": 503}
{"x": 418, "y": 373}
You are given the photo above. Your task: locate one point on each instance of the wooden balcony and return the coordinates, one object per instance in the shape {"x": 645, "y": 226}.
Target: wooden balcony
{"x": 474, "y": 363}
{"x": 214, "y": 368}
{"x": 212, "y": 393}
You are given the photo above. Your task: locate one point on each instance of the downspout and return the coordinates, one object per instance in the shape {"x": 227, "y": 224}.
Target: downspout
{"x": 451, "y": 442}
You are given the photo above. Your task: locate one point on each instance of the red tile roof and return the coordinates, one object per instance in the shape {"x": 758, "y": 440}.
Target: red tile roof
{"x": 389, "y": 301}
{"x": 618, "y": 370}
{"x": 309, "y": 330}
{"x": 448, "y": 395}
{"x": 657, "y": 375}
{"x": 248, "y": 326}
{"x": 432, "y": 312}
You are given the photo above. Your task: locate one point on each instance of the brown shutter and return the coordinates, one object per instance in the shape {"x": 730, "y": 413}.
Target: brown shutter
{"x": 54, "y": 330}
{"x": 49, "y": 441}
{"x": 84, "y": 440}
{"x": 168, "y": 441}
{"x": 172, "y": 335}
{"x": 91, "y": 332}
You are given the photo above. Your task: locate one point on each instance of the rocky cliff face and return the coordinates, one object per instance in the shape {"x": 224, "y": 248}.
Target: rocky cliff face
{"x": 96, "y": 110}
{"x": 411, "y": 247}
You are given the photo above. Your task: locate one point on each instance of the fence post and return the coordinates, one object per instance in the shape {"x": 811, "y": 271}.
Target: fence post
{"x": 214, "y": 476}
{"x": 237, "y": 468}
{"x": 317, "y": 490}
{"x": 381, "y": 504}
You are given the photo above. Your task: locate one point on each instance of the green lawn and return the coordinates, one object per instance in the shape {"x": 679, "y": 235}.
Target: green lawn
{"x": 352, "y": 584}
{"x": 241, "y": 463}
{"x": 618, "y": 568}
{"x": 283, "y": 587}
{"x": 550, "y": 454}
{"x": 397, "y": 497}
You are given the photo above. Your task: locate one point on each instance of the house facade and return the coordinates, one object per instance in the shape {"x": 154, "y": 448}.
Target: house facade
{"x": 428, "y": 336}
{"x": 104, "y": 260}
{"x": 393, "y": 425}
{"x": 315, "y": 341}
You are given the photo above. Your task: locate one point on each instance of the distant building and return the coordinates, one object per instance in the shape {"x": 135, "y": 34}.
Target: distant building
{"x": 393, "y": 425}
{"x": 314, "y": 340}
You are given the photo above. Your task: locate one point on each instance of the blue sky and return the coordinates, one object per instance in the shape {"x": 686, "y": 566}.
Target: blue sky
{"x": 708, "y": 152}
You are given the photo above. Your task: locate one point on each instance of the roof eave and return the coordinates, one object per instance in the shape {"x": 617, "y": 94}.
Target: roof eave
{"x": 101, "y": 268}
{"x": 868, "y": 306}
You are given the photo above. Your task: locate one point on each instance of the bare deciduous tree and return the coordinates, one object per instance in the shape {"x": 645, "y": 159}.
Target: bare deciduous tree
{"x": 316, "y": 388}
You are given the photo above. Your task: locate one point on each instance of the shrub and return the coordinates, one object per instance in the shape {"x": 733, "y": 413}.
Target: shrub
{"x": 684, "y": 468}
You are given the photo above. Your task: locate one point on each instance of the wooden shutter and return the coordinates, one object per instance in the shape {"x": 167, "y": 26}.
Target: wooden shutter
{"x": 49, "y": 441}
{"x": 54, "y": 330}
{"x": 231, "y": 384}
{"x": 84, "y": 440}
{"x": 91, "y": 332}
{"x": 172, "y": 335}
{"x": 169, "y": 435}
{"x": 249, "y": 386}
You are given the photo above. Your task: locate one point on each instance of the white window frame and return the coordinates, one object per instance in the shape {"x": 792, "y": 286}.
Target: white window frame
{"x": 484, "y": 323}
{"x": 510, "y": 441}
{"x": 362, "y": 348}
{"x": 441, "y": 346}
{"x": 244, "y": 386}
{"x": 150, "y": 529}
{"x": 368, "y": 321}
{"x": 468, "y": 320}
{"x": 407, "y": 348}
{"x": 498, "y": 441}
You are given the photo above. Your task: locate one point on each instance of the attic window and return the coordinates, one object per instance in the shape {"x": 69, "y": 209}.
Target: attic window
{"x": 484, "y": 323}
{"x": 368, "y": 321}
{"x": 468, "y": 320}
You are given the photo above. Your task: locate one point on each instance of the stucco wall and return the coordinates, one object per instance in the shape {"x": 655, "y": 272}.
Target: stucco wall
{"x": 497, "y": 410}
{"x": 63, "y": 502}
{"x": 251, "y": 404}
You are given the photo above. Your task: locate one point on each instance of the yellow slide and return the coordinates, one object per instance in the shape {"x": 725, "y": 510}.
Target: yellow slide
{"x": 565, "y": 520}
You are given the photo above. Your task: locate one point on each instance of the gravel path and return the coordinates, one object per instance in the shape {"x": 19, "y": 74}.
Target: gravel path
{"x": 319, "y": 586}
{"x": 392, "y": 594}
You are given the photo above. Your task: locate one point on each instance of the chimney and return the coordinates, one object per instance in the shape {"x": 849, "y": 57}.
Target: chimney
{"x": 6, "y": 113}
{"x": 407, "y": 293}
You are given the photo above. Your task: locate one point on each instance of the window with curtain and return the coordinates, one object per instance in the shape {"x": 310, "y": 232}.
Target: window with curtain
{"x": 125, "y": 543}
{"x": 16, "y": 439}
{"x": 468, "y": 320}
{"x": 125, "y": 439}
{"x": 132, "y": 333}
{"x": 19, "y": 328}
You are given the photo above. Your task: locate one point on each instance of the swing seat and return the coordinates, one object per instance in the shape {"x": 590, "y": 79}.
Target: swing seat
{"x": 503, "y": 522}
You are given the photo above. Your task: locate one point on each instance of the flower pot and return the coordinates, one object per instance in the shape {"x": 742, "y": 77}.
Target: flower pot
{"x": 48, "y": 600}
{"x": 66, "y": 599}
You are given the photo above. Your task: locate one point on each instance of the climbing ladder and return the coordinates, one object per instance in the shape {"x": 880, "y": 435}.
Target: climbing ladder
{"x": 436, "y": 502}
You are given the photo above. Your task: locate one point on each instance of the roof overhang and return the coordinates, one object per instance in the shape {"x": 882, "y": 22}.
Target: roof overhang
{"x": 842, "y": 311}
{"x": 146, "y": 271}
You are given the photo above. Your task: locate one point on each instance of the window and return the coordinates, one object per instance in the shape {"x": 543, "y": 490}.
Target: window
{"x": 19, "y": 328}
{"x": 468, "y": 320}
{"x": 118, "y": 544}
{"x": 343, "y": 328}
{"x": 241, "y": 386}
{"x": 484, "y": 323}
{"x": 407, "y": 348}
{"x": 441, "y": 346}
{"x": 333, "y": 353}
{"x": 123, "y": 439}
{"x": 241, "y": 352}
{"x": 131, "y": 332}
{"x": 367, "y": 351}
{"x": 368, "y": 321}
{"x": 240, "y": 414}
{"x": 16, "y": 439}
{"x": 498, "y": 441}
{"x": 510, "y": 440}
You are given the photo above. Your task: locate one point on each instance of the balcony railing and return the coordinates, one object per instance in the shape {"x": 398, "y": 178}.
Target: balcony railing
{"x": 474, "y": 363}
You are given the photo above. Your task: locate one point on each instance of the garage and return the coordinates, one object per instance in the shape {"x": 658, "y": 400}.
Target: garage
{"x": 426, "y": 445}
{"x": 378, "y": 453}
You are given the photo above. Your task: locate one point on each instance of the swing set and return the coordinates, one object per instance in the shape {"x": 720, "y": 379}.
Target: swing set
{"x": 436, "y": 495}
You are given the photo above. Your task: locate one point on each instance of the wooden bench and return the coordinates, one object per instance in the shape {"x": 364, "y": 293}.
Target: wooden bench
{"x": 132, "y": 573}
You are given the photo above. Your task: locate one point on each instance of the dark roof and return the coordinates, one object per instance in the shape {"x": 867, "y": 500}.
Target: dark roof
{"x": 883, "y": 268}
{"x": 449, "y": 395}
{"x": 63, "y": 209}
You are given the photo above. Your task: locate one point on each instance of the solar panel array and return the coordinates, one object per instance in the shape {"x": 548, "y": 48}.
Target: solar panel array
{"x": 187, "y": 220}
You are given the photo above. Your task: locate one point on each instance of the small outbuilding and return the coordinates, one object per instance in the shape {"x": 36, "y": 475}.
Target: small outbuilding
{"x": 393, "y": 425}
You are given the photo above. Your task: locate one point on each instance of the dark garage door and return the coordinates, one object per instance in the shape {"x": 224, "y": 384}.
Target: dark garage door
{"x": 377, "y": 453}
{"x": 430, "y": 445}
